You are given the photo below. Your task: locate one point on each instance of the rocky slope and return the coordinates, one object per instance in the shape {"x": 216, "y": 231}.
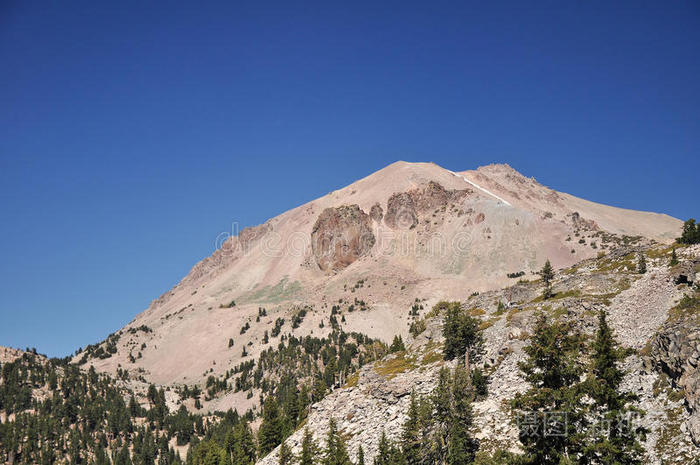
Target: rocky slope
{"x": 643, "y": 310}
{"x": 411, "y": 230}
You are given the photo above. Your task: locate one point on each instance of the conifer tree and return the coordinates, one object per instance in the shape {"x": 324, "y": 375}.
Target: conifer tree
{"x": 360, "y": 455}
{"x": 462, "y": 336}
{"x": 691, "y": 232}
{"x": 641, "y": 263}
{"x": 309, "y": 449}
{"x": 674, "y": 258}
{"x": 547, "y": 275}
{"x": 441, "y": 401}
{"x": 383, "y": 451}
{"x": 397, "y": 344}
{"x": 613, "y": 440}
{"x": 550, "y": 411}
{"x": 387, "y": 453}
{"x": 285, "y": 455}
{"x": 411, "y": 434}
{"x": 461, "y": 445}
{"x": 242, "y": 451}
{"x": 270, "y": 432}
{"x": 335, "y": 453}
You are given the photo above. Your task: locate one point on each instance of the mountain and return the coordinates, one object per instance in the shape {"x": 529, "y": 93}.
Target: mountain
{"x": 339, "y": 309}
{"x": 409, "y": 231}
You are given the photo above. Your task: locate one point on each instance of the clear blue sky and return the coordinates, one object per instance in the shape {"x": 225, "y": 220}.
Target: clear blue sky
{"x": 131, "y": 134}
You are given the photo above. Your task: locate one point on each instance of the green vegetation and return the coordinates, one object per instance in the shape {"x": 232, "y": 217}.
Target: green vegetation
{"x": 438, "y": 426}
{"x": 547, "y": 275}
{"x": 599, "y": 431}
{"x": 605, "y": 445}
{"x": 87, "y": 418}
{"x": 641, "y": 263}
{"x": 553, "y": 371}
{"x": 397, "y": 345}
{"x": 689, "y": 306}
{"x": 674, "y": 258}
{"x": 461, "y": 332}
{"x": 691, "y": 233}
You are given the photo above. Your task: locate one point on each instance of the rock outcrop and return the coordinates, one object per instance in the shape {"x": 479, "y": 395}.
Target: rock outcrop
{"x": 403, "y": 208}
{"x": 400, "y": 212}
{"x": 376, "y": 212}
{"x": 340, "y": 236}
{"x": 684, "y": 273}
{"x": 676, "y": 352}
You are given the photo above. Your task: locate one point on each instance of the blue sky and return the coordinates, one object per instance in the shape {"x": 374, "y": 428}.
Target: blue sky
{"x": 132, "y": 133}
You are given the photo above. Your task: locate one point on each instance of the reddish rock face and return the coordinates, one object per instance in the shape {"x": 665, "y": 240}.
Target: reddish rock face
{"x": 340, "y": 236}
{"x": 401, "y": 212}
{"x": 403, "y": 207}
{"x": 376, "y": 213}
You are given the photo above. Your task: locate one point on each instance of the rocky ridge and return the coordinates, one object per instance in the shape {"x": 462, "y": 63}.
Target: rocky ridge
{"x": 664, "y": 378}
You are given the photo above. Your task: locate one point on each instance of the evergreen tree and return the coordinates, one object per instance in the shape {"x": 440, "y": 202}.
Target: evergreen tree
{"x": 674, "y": 258}
{"x": 480, "y": 383}
{"x": 461, "y": 332}
{"x": 610, "y": 444}
{"x": 397, "y": 345}
{"x": 335, "y": 453}
{"x": 442, "y": 414}
{"x": 461, "y": 446}
{"x": 383, "y": 456}
{"x": 360, "y": 455}
{"x": 286, "y": 457}
{"x": 270, "y": 432}
{"x": 242, "y": 449}
{"x": 691, "y": 232}
{"x": 388, "y": 453}
{"x": 641, "y": 263}
{"x": 551, "y": 409}
{"x": 309, "y": 449}
{"x": 547, "y": 275}
{"x": 411, "y": 434}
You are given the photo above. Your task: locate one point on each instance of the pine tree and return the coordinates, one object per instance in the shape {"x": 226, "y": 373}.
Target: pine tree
{"x": 608, "y": 444}
{"x": 242, "y": 450}
{"x": 461, "y": 445}
{"x": 285, "y": 454}
{"x": 383, "y": 456}
{"x": 270, "y": 432}
{"x": 308, "y": 449}
{"x": 411, "y": 434}
{"x": 461, "y": 332}
{"x": 442, "y": 416}
{"x": 551, "y": 409}
{"x": 360, "y": 455}
{"x": 691, "y": 232}
{"x": 674, "y": 258}
{"x": 641, "y": 263}
{"x": 388, "y": 453}
{"x": 397, "y": 344}
{"x": 547, "y": 275}
{"x": 480, "y": 383}
{"x": 335, "y": 453}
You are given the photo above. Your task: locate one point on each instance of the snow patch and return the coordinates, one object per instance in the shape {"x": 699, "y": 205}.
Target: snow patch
{"x": 481, "y": 188}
